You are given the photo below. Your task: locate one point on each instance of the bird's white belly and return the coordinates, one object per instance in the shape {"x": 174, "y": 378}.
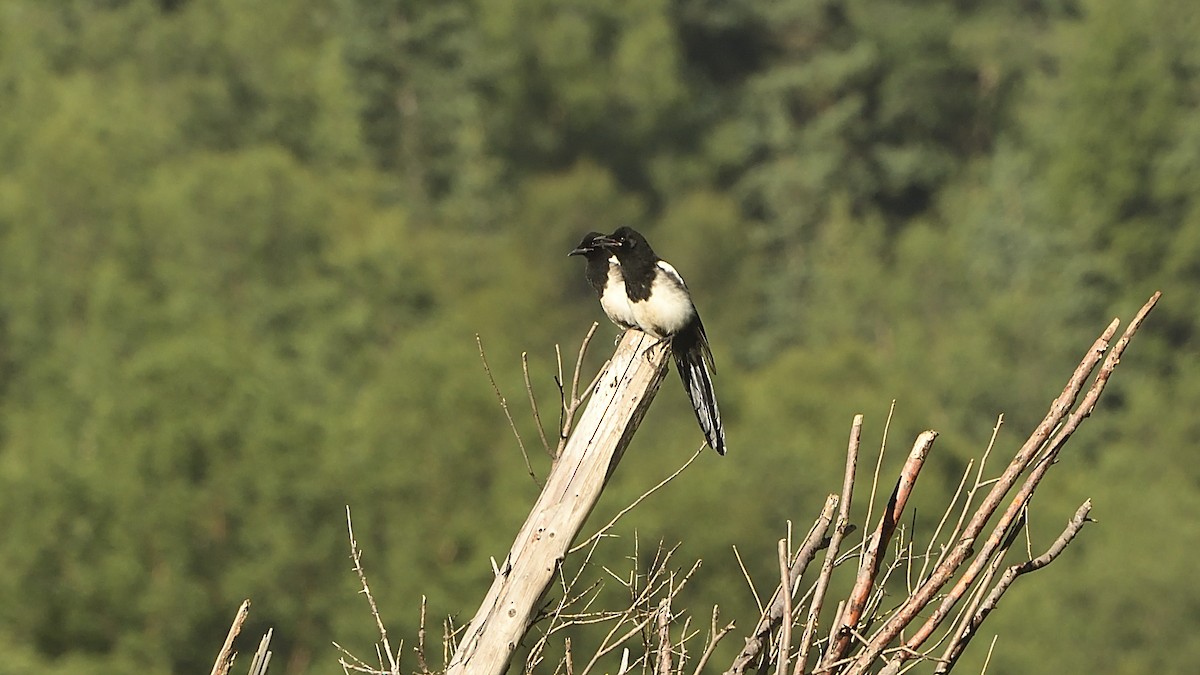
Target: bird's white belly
{"x": 614, "y": 301}
{"x": 666, "y": 311}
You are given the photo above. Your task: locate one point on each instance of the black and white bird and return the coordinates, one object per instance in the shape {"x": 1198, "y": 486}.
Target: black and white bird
{"x": 603, "y": 272}
{"x": 660, "y": 305}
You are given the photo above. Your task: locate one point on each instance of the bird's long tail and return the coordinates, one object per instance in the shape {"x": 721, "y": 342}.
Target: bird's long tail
{"x": 692, "y": 363}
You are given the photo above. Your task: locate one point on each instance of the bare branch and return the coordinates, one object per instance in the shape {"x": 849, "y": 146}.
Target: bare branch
{"x": 422, "y": 663}
{"x": 715, "y": 636}
{"x": 392, "y": 664}
{"x": 572, "y": 400}
{"x": 868, "y": 568}
{"x": 839, "y": 531}
{"x": 964, "y": 636}
{"x": 664, "y": 637}
{"x": 537, "y": 416}
{"x": 226, "y": 655}
{"x": 749, "y": 582}
{"x": 262, "y": 657}
{"x": 608, "y": 526}
{"x": 1059, "y": 410}
{"x": 773, "y": 615}
{"x": 504, "y": 406}
{"x": 887, "y": 426}
{"x": 579, "y": 474}
{"x": 785, "y": 632}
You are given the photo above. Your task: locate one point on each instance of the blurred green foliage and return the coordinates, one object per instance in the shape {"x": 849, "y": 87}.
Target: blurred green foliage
{"x": 245, "y": 249}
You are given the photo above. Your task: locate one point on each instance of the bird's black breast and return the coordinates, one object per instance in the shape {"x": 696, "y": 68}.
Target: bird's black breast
{"x": 597, "y": 272}
{"x": 639, "y": 278}
{"x": 638, "y": 289}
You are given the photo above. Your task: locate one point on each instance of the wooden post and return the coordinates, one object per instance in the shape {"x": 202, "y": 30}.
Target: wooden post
{"x": 619, "y": 401}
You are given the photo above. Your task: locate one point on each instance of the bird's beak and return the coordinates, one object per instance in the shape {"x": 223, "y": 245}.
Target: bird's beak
{"x": 597, "y": 244}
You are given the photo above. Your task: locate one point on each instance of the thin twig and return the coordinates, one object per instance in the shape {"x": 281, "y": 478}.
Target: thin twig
{"x": 715, "y": 636}
{"x": 422, "y": 663}
{"x": 868, "y": 568}
{"x": 356, "y": 556}
{"x": 599, "y": 533}
{"x": 937, "y": 532}
{"x": 504, "y": 406}
{"x": 785, "y": 632}
{"x": 887, "y": 426}
{"x": 988, "y": 660}
{"x": 956, "y": 648}
{"x": 572, "y": 397}
{"x": 966, "y": 508}
{"x": 537, "y": 416}
{"x": 774, "y": 614}
{"x": 839, "y": 531}
{"x": 1032, "y": 448}
{"x": 749, "y": 582}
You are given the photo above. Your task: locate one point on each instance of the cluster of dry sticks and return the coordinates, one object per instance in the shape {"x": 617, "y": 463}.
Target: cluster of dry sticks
{"x": 226, "y": 657}
{"x": 951, "y": 584}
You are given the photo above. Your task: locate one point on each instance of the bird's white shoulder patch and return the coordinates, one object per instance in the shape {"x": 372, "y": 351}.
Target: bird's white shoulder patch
{"x": 671, "y": 272}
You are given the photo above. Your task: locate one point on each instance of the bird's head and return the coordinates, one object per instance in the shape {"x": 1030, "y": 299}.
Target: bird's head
{"x": 630, "y": 241}
{"x": 593, "y": 243}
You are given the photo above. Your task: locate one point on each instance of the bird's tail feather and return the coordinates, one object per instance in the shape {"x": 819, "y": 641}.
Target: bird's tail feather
{"x": 697, "y": 381}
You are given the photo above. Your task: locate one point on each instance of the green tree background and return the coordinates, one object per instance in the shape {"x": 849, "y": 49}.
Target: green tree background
{"x": 245, "y": 249}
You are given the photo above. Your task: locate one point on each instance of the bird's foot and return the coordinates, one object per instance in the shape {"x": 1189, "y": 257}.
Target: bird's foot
{"x": 659, "y": 343}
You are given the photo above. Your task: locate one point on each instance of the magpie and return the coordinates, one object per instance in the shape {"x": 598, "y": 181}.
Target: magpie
{"x": 660, "y": 305}
{"x": 603, "y": 272}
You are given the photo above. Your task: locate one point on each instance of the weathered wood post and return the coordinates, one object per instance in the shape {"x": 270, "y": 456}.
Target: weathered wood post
{"x": 619, "y": 401}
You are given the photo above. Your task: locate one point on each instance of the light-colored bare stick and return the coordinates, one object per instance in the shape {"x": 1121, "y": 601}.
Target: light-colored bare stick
{"x": 785, "y": 629}
{"x": 664, "y": 637}
{"x": 504, "y": 406}
{"x": 597, "y": 442}
{"x": 1033, "y": 446}
{"x": 225, "y": 657}
{"x": 715, "y": 636}
{"x": 571, "y": 398}
{"x": 987, "y": 661}
{"x": 887, "y": 426}
{"x": 637, "y": 628}
{"x": 840, "y": 530}
{"x": 422, "y": 662}
{"x": 937, "y": 532}
{"x": 684, "y": 637}
{"x": 583, "y": 347}
{"x": 975, "y": 487}
{"x": 356, "y": 556}
{"x": 963, "y": 620}
{"x": 608, "y": 526}
{"x": 1018, "y": 504}
{"x": 868, "y": 568}
{"x": 771, "y": 617}
{"x": 537, "y": 416}
{"x": 834, "y": 627}
{"x": 749, "y": 581}
{"x": 959, "y": 644}
{"x": 262, "y": 657}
